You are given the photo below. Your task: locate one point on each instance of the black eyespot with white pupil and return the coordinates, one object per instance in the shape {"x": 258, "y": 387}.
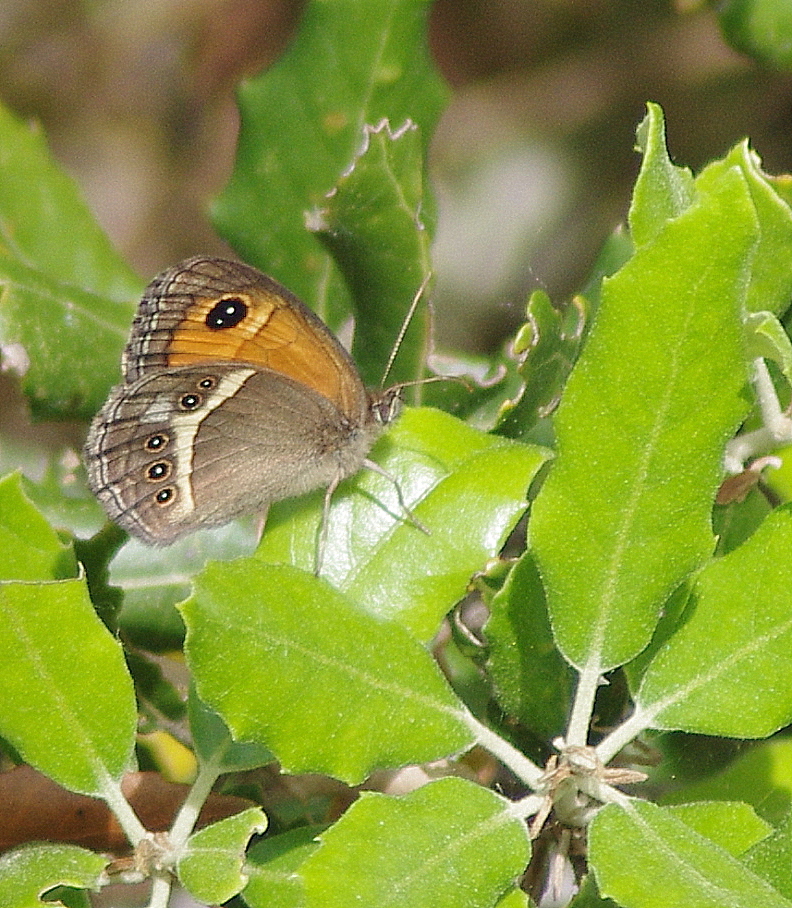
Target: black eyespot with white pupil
{"x": 206, "y": 384}
{"x": 156, "y": 442}
{"x": 227, "y": 313}
{"x": 159, "y": 470}
{"x": 165, "y": 496}
{"x": 190, "y": 401}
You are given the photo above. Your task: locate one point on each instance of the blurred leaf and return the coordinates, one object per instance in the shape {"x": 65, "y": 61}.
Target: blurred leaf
{"x": 625, "y": 512}
{"x": 67, "y": 298}
{"x": 213, "y": 741}
{"x": 548, "y": 346}
{"x": 352, "y": 62}
{"x": 761, "y": 777}
{"x": 373, "y": 224}
{"x": 339, "y": 671}
{"x": 467, "y": 488}
{"x": 762, "y": 29}
{"x": 450, "y": 843}
{"x": 726, "y": 670}
{"x": 31, "y": 549}
{"x": 153, "y": 580}
{"x": 28, "y": 873}
{"x": 152, "y": 686}
{"x": 645, "y": 857}
{"x": 532, "y": 681}
{"x": 211, "y": 865}
{"x": 66, "y": 699}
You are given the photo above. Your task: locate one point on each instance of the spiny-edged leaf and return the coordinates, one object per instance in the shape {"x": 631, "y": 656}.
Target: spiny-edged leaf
{"x": 548, "y": 346}
{"x": 28, "y": 873}
{"x": 731, "y": 824}
{"x": 272, "y": 868}
{"x": 352, "y": 62}
{"x": 663, "y": 190}
{"x": 328, "y": 687}
{"x": 65, "y": 294}
{"x": 31, "y": 549}
{"x": 726, "y": 671}
{"x": 645, "y": 857}
{"x": 211, "y": 867}
{"x": 771, "y": 858}
{"x": 532, "y": 681}
{"x": 770, "y": 283}
{"x": 468, "y": 490}
{"x": 625, "y": 513}
{"x": 66, "y": 699}
{"x": 450, "y": 843}
{"x": 373, "y": 224}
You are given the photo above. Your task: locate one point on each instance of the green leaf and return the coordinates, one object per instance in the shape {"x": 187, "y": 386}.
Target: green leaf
{"x": 330, "y": 671}
{"x": 67, "y": 295}
{"x": 625, "y": 514}
{"x": 760, "y": 28}
{"x": 352, "y": 62}
{"x": 532, "y": 681}
{"x": 761, "y": 777}
{"x": 211, "y": 865}
{"x": 548, "y": 345}
{"x": 765, "y": 336}
{"x": 771, "y": 859}
{"x": 662, "y": 191}
{"x": 726, "y": 671}
{"x": 644, "y": 857}
{"x": 466, "y": 487}
{"x": 153, "y": 580}
{"x": 29, "y": 872}
{"x": 732, "y": 825}
{"x": 66, "y": 699}
{"x": 273, "y": 866}
{"x": 213, "y": 741}
{"x": 588, "y": 896}
{"x": 31, "y": 549}
{"x": 450, "y": 843}
{"x": 770, "y": 282}
{"x": 515, "y": 899}
{"x": 373, "y": 224}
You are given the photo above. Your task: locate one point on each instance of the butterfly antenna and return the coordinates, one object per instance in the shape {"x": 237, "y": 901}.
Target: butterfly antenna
{"x": 405, "y": 325}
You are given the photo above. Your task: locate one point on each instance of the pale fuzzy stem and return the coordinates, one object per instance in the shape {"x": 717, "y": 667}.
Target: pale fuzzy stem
{"x": 583, "y": 707}
{"x": 199, "y": 792}
{"x": 527, "y": 807}
{"x": 776, "y": 430}
{"x": 160, "y": 891}
{"x": 134, "y": 830}
{"x": 611, "y": 745}
{"x": 499, "y": 747}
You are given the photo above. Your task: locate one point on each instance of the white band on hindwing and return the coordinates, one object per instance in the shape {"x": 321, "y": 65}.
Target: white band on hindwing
{"x": 184, "y": 426}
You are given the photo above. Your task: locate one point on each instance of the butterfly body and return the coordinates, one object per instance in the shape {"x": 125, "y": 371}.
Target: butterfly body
{"x": 235, "y": 395}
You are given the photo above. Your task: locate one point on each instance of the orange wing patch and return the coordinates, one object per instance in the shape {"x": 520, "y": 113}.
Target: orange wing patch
{"x": 274, "y": 334}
